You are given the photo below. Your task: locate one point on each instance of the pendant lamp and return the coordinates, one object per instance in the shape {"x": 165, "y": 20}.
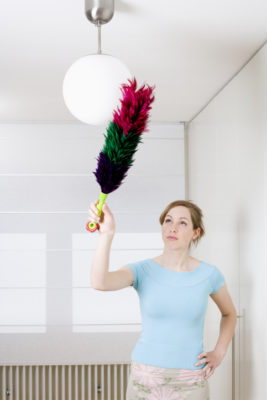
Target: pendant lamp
{"x": 91, "y": 86}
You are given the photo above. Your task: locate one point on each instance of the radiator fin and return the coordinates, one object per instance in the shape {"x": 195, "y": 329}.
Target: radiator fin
{"x": 64, "y": 382}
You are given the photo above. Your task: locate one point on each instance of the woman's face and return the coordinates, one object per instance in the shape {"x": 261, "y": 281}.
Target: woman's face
{"x": 178, "y": 223}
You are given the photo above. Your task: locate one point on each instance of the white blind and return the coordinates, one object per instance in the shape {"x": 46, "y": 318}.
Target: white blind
{"x": 22, "y": 283}
{"x": 46, "y": 186}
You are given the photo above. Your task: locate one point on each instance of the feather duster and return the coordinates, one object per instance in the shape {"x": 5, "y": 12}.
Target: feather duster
{"x": 124, "y": 134}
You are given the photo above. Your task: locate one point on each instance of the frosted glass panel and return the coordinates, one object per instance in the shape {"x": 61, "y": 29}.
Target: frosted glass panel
{"x": 125, "y": 240}
{"x": 81, "y": 262}
{"x": 22, "y": 306}
{"x": 22, "y": 241}
{"x": 38, "y": 148}
{"x": 107, "y": 328}
{"x": 64, "y": 193}
{"x": 116, "y": 310}
{"x": 92, "y": 306}
{"x": 22, "y": 268}
{"x": 22, "y": 283}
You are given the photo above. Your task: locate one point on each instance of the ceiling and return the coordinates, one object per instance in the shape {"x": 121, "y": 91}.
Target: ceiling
{"x": 189, "y": 49}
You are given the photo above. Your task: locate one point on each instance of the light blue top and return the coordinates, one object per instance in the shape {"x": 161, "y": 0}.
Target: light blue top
{"x": 173, "y": 305}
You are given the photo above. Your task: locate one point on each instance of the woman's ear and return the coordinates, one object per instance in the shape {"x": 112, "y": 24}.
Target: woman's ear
{"x": 197, "y": 233}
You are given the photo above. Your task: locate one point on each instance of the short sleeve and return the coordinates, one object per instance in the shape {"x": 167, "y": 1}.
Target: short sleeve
{"x": 136, "y": 270}
{"x": 216, "y": 281}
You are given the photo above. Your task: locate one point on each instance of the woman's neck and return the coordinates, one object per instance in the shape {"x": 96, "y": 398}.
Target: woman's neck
{"x": 178, "y": 261}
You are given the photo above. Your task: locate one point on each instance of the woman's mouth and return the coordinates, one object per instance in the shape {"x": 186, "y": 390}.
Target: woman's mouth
{"x": 171, "y": 238}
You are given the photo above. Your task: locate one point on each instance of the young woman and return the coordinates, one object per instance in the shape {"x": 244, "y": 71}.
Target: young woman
{"x": 168, "y": 361}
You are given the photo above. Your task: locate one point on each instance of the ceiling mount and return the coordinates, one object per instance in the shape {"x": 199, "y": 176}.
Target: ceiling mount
{"x": 99, "y": 12}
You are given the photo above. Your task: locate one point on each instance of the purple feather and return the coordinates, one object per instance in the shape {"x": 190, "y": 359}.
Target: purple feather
{"x": 107, "y": 173}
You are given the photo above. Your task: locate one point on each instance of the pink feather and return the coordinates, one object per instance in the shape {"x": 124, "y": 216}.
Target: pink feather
{"x": 135, "y": 106}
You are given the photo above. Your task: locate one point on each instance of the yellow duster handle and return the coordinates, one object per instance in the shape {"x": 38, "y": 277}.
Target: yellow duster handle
{"x": 92, "y": 226}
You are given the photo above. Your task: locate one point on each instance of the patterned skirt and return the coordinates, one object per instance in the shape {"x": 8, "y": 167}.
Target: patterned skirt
{"x": 147, "y": 382}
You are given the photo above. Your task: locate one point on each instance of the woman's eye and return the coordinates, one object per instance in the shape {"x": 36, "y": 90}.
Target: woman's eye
{"x": 182, "y": 222}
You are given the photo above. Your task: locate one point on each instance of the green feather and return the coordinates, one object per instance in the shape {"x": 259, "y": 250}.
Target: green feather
{"x": 118, "y": 147}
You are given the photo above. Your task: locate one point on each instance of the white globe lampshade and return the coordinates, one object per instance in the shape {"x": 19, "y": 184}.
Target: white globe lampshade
{"x": 91, "y": 87}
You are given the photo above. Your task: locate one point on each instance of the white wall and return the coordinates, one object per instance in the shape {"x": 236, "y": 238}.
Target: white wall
{"x": 49, "y": 313}
{"x": 227, "y": 151}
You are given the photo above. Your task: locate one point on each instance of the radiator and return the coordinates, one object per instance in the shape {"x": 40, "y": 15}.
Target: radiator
{"x": 64, "y": 382}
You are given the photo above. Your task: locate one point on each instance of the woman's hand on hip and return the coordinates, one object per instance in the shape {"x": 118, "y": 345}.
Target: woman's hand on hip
{"x": 213, "y": 360}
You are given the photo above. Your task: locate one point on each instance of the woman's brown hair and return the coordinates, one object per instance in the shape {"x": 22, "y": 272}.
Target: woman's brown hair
{"x": 195, "y": 212}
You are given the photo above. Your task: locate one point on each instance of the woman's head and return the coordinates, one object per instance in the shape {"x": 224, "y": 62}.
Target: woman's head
{"x": 182, "y": 219}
